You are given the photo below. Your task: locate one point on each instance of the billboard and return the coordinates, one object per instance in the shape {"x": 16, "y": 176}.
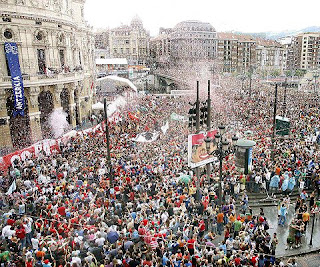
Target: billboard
{"x": 197, "y": 151}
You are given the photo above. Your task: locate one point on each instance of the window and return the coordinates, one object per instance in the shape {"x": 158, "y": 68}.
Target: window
{"x": 80, "y": 58}
{"x": 39, "y": 36}
{"x": 61, "y": 55}
{"x": 8, "y": 34}
{"x": 38, "y": 22}
{"x": 41, "y": 61}
{"x": 6, "y": 19}
{"x": 127, "y": 41}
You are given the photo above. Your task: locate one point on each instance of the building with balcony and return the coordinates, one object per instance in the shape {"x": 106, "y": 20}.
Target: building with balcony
{"x": 306, "y": 51}
{"x": 160, "y": 48}
{"x": 193, "y": 41}
{"x": 130, "y": 42}
{"x": 56, "y": 56}
{"x": 271, "y": 55}
{"x": 236, "y": 52}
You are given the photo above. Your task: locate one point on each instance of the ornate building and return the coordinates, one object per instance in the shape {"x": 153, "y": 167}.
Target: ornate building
{"x": 193, "y": 41}
{"x": 130, "y": 42}
{"x": 56, "y": 55}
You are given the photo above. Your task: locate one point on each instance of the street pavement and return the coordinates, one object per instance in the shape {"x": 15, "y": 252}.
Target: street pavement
{"x": 271, "y": 213}
{"x": 311, "y": 260}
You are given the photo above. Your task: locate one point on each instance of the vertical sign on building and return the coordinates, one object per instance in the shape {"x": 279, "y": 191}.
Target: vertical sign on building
{"x": 12, "y": 56}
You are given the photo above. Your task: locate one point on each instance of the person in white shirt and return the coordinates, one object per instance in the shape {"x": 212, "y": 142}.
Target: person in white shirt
{"x": 35, "y": 243}
{"x": 100, "y": 241}
{"x": 8, "y": 231}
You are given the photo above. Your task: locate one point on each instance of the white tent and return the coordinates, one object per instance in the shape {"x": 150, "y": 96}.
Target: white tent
{"x": 98, "y": 106}
{"x": 119, "y": 80}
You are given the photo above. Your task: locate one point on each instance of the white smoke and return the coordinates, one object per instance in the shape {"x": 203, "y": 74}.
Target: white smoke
{"x": 114, "y": 106}
{"x": 58, "y": 122}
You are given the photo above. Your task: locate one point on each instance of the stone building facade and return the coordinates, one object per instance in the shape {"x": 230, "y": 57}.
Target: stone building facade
{"x": 56, "y": 55}
{"x": 130, "y": 42}
{"x": 193, "y": 41}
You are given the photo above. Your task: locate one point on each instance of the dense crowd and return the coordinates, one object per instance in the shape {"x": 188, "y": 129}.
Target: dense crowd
{"x": 69, "y": 209}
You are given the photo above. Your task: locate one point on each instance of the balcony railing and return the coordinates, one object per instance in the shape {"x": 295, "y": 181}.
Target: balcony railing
{"x": 25, "y": 77}
{"x": 51, "y": 76}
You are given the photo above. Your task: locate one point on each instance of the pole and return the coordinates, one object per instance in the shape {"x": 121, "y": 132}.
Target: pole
{"x": 250, "y": 81}
{"x": 220, "y": 172}
{"x": 274, "y": 122}
{"x": 197, "y": 131}
{"x": 285, "y": 98}
{"x": 108, "y": 140}
{"x": 208, "y": 125}
{"x": 314, "y": 215}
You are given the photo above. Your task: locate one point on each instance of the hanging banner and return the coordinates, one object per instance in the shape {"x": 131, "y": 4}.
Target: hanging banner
{"x": 177, "y": 117}
{"x": 12, "y": 56}
{"x": 197, "y": 151}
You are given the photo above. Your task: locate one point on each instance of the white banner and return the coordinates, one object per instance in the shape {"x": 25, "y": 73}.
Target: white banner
{"x": 165, "y": 128}
{"x": 146, "y": 137}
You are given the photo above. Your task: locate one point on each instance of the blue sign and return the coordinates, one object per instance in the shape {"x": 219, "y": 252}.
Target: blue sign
{"x": 12, "y": 56}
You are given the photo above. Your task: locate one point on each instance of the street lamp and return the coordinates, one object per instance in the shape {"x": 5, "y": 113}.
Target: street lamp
{"x": 223, "y": 149}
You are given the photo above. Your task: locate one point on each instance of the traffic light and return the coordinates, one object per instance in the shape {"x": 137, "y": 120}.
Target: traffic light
{"x": 203, "y": 115}
{"x": 192, "y": 117}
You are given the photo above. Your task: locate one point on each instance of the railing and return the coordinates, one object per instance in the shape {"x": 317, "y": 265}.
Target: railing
{"x": 51, "y": 76}
{"x": 25, "y": 77}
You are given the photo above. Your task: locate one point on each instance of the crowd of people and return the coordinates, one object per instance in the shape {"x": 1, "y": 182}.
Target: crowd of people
{"x": 70, "y": 209}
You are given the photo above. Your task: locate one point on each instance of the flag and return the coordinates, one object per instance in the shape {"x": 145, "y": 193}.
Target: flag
{"x": 12, "y": 188}
{"x": 133, "y": 117}
{"x": 165, "y": 128}
{"x": 146, "y": 137}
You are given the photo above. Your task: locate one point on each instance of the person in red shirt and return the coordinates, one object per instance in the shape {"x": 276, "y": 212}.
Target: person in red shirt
{"x": 21, "y": 234}
{"x": 202, "y": 228}
{"x": 191, "y": 245}
{"x": 62, "y": 211}
{"x": 237, "y": 261}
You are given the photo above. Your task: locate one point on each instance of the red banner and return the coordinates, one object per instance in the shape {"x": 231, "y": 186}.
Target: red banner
{"x": 47, "y": 147}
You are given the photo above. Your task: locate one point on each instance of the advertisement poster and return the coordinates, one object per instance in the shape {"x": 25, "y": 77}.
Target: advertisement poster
{"x": 197, "y": 151}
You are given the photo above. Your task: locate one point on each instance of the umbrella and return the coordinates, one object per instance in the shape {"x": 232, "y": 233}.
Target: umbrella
{"x": 112, "y": 237}
{"x": 184, "y": 179}
{"x": 127, "y": 245}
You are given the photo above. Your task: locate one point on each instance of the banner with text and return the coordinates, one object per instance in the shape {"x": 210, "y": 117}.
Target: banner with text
{"x": 12, "y": 56}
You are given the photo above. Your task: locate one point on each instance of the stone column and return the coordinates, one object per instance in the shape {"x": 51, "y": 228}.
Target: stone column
{"x": 5, "y": 136}
{"x": 72, "y": 104}
{"x": 56, "y": 96}
{"x": 34, "y": 114}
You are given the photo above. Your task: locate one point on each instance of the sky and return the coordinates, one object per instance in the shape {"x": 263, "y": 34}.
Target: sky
{"x": 224, "y": 15}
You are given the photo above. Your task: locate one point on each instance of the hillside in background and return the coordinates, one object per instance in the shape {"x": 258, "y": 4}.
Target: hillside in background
{"x": 277, "y": 35}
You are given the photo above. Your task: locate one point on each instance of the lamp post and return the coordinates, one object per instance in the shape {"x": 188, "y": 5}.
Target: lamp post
{"x": 222, "y": 151}
{"x": 285, "y": 97}
{"x": 108, "y": 141}
{"x": 314, "y": 215}
{"x": 274, "y": 121}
